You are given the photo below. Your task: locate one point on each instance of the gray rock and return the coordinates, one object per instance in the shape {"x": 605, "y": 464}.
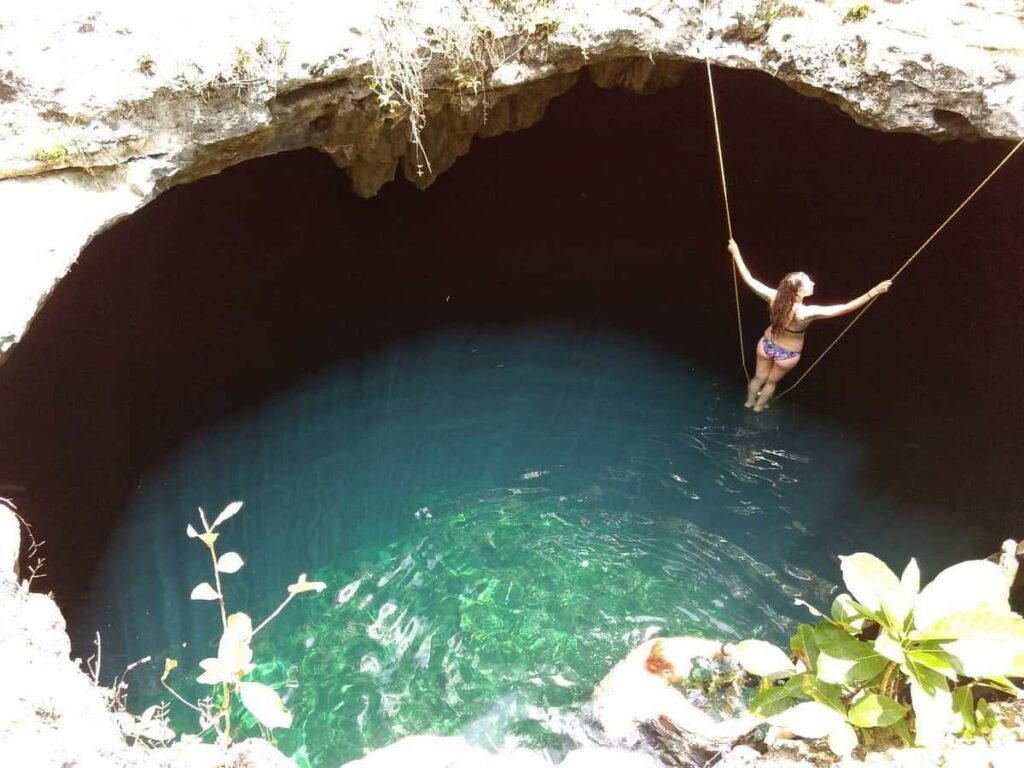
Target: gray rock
{"x": 154, "y": 100}
{"x": 10, "y": 546}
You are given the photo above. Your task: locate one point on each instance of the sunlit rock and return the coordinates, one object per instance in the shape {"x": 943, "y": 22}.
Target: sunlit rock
{"x": 153, "y": 100}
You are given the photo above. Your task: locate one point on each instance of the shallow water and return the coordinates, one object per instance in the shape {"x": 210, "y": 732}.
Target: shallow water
{"x": 500, "y": 513}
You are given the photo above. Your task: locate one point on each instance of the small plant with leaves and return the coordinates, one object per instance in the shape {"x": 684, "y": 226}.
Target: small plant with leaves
{"x": 226, "y": 671}
{"x": 895, "y": 660}
{"x": 858, "y": 12}
{"x": 58, "y": 153}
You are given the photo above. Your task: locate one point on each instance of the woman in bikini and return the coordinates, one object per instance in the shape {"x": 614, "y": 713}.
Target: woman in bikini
{"x": 778, "y": 351}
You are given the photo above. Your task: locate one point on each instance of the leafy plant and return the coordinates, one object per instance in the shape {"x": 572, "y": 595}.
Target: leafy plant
{"x": 893, "y": 659}
{"x": 58, "y": 153}
{"x": 226, "y": 671}
{"x": 858, "y": 12}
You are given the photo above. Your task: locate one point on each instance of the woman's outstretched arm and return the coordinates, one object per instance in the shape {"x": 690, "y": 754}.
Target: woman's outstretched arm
{"x": 756, "y": 286}
{"x": 817, "y": 311}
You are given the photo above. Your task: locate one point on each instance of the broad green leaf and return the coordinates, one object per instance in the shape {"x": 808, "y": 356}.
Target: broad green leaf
{"x": 802, "y": 644}
{"x": 933, "y": 713}
{"x": 843, "y": 740}
{"x": 988, "y": 656}
{"x": 843, "y": 659}
{"x": 265, "y": 705}
{"x": 209, "y": 539}
{"x": 772, "y": 700}
{"x": 963, "y": 712}
{"x": 169, "y": 664}
{"x": 976, "y": 623}
{"x": 824, "y": 693}
{"x": 809, "y": 720}
{"x": 889, "y": 647}
{"x": 875, "y": 711}
{"x": 929, "y": 679}
{"x": 204, "y": 591}
{"x": 868, "y": 579}
{"x": 762, "y": 659}
{"x": 973, "y": 585}
{"x": 847, "y": 671}
{"x": 229, "y": 562}
{"x": 848, "y": 612}
{"x": 938, "y": 661}
{"x": 227, "y": 513}
{"x": 1004, "y": 685}
{"x": 305, "y": 586}
{"x": 985, "y": 717}
{"x": 903, "y": 731}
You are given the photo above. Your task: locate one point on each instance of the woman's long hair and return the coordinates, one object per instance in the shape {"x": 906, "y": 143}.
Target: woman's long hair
{"x": 781, "y": 309}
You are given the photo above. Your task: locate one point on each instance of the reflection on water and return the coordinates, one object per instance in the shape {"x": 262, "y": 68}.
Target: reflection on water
{"x": 500, "y": 515}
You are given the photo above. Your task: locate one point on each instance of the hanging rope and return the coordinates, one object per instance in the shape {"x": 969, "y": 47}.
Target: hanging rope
{"x": 728, "y": 216}
{"x": 728, "y": 222}
{"x": 906, "y": 263}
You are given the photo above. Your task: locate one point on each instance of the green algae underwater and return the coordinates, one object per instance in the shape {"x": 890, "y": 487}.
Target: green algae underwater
{"x": 499, "y": 516}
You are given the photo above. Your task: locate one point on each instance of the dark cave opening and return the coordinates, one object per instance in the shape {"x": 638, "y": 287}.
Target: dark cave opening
{"x": 225, "y": 290}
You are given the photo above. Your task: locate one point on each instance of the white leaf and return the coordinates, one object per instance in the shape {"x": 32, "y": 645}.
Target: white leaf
{"x": 843, "y": 740}
{"x": 265, "y": 705}
{"x": 305, "y": 586}
{"x": 228, "y": 512}
{"x": 910, "y": 581}
{"x": 229, "y": 562}
{"x": 762, "y": 659}
{"x": 214, "y": 672}
{"x": 898, "y": 604}
{"x": 843, "y": 610}
{"x": 809, "y": 720}
{"x": 886, "y": 646}
{"x": 234, "y": 656}
{"x": 204, "y": 592}
{"x": 988, "y": 656}
{"x": 962, "y": 588}
{"x": 933, "y": 714}
{"x": 191, "y": 532}
{"x": 813, "y": 611}
{"x": 868, "y": 579}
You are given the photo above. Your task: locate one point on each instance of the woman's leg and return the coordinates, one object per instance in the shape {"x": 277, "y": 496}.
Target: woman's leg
{"x": 780, "y": 369}
{"x": 764, "y": 366}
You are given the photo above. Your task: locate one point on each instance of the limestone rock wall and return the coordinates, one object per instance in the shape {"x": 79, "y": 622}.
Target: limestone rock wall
{"x": 53, "y": 715}
{"x": 102, "y": 109}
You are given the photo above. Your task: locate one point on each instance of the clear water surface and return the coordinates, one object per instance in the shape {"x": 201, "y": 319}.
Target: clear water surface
{"x": 500, "y": 514}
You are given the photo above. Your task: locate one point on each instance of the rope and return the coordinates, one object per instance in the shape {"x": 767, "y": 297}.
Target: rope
{"x": 725, "y": 200}
{"x": 906, "y": 263}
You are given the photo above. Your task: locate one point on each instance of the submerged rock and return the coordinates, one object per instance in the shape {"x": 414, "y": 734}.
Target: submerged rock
{"x": 154, "y": 100}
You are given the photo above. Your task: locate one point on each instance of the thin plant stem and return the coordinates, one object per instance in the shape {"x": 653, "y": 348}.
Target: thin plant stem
{"x": 181, "y": 698}
{"x": 272, "y": 616}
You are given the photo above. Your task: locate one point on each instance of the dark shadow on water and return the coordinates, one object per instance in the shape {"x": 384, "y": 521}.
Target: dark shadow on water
{"x": 608, "y": 212}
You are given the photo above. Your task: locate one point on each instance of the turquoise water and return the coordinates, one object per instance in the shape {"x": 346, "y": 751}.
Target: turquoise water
{"x": 500, "y": 514}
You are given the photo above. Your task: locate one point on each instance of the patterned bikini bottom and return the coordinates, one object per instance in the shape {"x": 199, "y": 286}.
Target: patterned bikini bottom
{"x": 774, "y": 352}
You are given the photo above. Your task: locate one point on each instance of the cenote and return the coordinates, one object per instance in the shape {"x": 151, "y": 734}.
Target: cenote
{"x": 501, "y": 418}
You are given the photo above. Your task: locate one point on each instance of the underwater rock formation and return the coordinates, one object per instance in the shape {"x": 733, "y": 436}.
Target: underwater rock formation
{"x": 103, "y": 111}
